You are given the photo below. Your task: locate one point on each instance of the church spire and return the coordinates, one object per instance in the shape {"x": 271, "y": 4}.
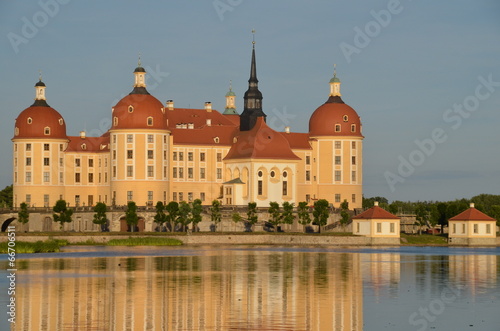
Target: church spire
{"x": 230, "y": 102}
{"x": 253, "y": 97}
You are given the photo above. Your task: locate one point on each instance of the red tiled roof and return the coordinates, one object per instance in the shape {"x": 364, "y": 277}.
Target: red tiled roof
{"x": 261, "y": 142}
{"x": 375, "y": 212}
{"x": 92, "y": 144}
{"x": 143, "y": 106}
{"x": 197, "y": 117}
{"x": 297, "y": 140}
{"x": 326, "y": 116}
{"x": 471, "y": 214}
{"x": 39, "y": 118}
{"x": 205, "y": 136}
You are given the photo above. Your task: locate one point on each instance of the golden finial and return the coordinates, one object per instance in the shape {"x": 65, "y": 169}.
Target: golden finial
{"x": 253, "y": 32}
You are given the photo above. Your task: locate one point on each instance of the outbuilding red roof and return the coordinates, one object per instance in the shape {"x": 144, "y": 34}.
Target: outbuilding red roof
{"x": 375, "y": 212}
{"x": 471, "y": 214}
{"x": 88, "y": 144}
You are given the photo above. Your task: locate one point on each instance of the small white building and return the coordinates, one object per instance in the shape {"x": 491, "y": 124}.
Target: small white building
{"x": 378, "y": 224}
{"x": 472, "y": 227}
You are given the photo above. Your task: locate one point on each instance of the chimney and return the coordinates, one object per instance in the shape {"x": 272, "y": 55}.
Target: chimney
{"x": 375, "y": 204}
{"x": 209, "y": 122}
{"x": 82, "y": 134}
{"x": 472, "y": 204}
{"x": 287, "y": 129}
{"x": 170, "y": 104}
{"x": 208, "y": 106}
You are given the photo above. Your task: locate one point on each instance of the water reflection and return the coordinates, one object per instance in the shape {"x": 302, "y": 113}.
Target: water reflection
{"x": 215, "y": 290}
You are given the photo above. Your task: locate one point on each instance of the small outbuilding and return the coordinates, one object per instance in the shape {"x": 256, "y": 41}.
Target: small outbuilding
{"x": 377, "y": 223}
{"x": 472, "y": 227}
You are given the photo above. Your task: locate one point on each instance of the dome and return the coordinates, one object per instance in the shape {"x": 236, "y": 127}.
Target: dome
{"x": 138, "y": 111}
{"x": 230, "y": 94}
{"x": 40, "y": 121}
{"x": 335, "y": 118}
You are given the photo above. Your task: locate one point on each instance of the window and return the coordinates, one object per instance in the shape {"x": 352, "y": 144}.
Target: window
{"x": 130, "y": 154}
{"x": 181, "y": 196}
{"x": 28, "y": 147}
{"x": 130, "y": 195}
{"x": 285, "y": 188}
{"x": 91, "y": 177}
{"x": 174, "y": 196}
{"x": 150, "y": 171}
{"x": 29, "y": 120}
{"x": 379, "y": 227}
{"x": 130, "y": 109}
{"x": 337, "y": 175}
{"x": 150, "y": 138}
{"x": 353, "y": 145}
{"x": 61, "y": 162}
{"x": 259, "y": 174}
{"x": 345, "y": 118}
{"x": 353, "y": 160}
{"x": 463, "y": 228}
{"x": 219, "y": 157}
{"x": 202, "y": 196}
{"x": 337, "y": 197}
{"x": 130, "y": 171}
{"x": 476, "y": 228}
{"x": 219, "y": 173}
{"x": 202, "y": 173}
{"x": 392, "y": 228}
{"x": 190, "y": 172}
{"x": 454, "y": 228}
{"x": 337, "y": 127}
{"x": 77, "y": 200}
{"x": 164, "y": 139}
{"x": 308, "y": 175}
{"x": 259, "y": 187}
{"x": 100, "y": 180}
{"x": 308, "y": 159}
{"x": 488, "y": 228}
{"x": 91, "y": 163}
{"x": 150, "y": 121}
{"x": 114, "y": 155}
{"x": 353, "y": 198}
{"x": 181, "y": 156}
{"x": 338, "y": 145}
{"x": 150, "y": 154}
{"x": 174, "y": 172}
{"x": 337, "y": 160}
{"x": 61, "y": 147}
{"x": 100, "y": 163}
{"x": 77, "y": 162}
{"x": 46, "y": 177}
{"x": 353, "y": 176}
{"x": 353, "y": 127}
{"x": 115, "y": 121}
{"x": 272, "y": 174}
{"x": 61, "y": 177}
{"x": 164, "y": 155}
{"x": 130, "y": 138}
{"x": 46, "y": 147}
{"x": 190, "y": 156}
{"x": 28, "y": 161}
{"x": 28, "y": 198}
{"x": 105, "y": 177}
{"x": 150, "y": 196}
{"x": 28, "y": 176}
{"x": 202, "y": 157}
{"x": 181, "y": 172}
{"x": 77, "y": 177}
{"x": 114, "y": 139}
{"x": 46, "y": 202}
{"x": 114, "y": 171}
{"x": 285, "y": 174}
{"x": 46, "y": 131}
{"x": 190, "y": 196}
{"x": 174, "y": 156}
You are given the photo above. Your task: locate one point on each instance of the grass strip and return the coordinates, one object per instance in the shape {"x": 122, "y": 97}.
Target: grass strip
{"x": 144, "y": 242}
{"x": 48, "y": 246}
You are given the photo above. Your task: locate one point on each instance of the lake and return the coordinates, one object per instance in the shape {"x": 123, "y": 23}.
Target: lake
{"x": 256, "y": 288}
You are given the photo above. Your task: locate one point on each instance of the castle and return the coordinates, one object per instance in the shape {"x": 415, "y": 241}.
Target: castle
{"x": 157, "y": 152}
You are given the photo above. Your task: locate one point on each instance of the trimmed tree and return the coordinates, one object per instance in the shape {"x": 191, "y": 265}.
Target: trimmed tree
{"x": 287, "y": 215}
{"x": 131, "y": 215}
{"x": 303, "y": 214}
{"x": 196, "y": 210}
{"x": 344, "y": 215}
{"x": 252, "y": 216}
{"x": 62, "y": 214}
{"x": 320, "y": 213}
{"x": 160, "y": 217}
{"x": 172, "y": 214}
{"x": 100, "y": 216}
{"x": 236, "y": 218}
{"x": 23, "y": 216}
{"x": 215, "y": 214}
{"x": 275, "y": 214}
{"x": 184, "y": 215}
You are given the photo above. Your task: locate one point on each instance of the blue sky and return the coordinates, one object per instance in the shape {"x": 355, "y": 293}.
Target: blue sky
{"x": 409, "y": 68}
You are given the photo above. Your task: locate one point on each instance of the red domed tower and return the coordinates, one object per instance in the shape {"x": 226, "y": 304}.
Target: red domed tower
{"x": 139, "y": 144}
{"x": 335, "y": 132}
{"x": 38, "y": 145}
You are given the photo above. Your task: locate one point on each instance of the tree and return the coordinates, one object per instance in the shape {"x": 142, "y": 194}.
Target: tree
{"x": 62, "y": 214}
{"x": 303, "y": 214}
{"x": 131, "y": 215}
{"x": 368, "y": 202}
{"x": 495, "y": 213}
{"x": 275, "y": 214}
{"x": 184, "y": 218}
{"x": 160, "y": 216}
{"x": 196, "y": 210}
{"x": 215, "y": 214}
{"x": 236, "y": 217}
{"x": 23, "y": 216}
{"x": 320, "y": 213}
{"x": 288, "y": 216}
{"x": 344, "y": 215}
{"x": 100, "y": 216}
{"x": 6, "y": 197}
{"x": 252, "y": 216}
{"x": 172, "y": 214}
{"x": 422, "y": 215}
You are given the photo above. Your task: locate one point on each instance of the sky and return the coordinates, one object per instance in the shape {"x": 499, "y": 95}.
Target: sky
{"x": 423, "y": 75}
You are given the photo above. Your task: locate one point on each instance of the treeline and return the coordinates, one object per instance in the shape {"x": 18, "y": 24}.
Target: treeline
{"x": 438, "y": 212}
{"x": 6, "y": 197}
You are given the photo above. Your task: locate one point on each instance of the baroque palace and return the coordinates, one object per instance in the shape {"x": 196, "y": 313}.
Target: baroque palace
{"x": 157, "y": 152}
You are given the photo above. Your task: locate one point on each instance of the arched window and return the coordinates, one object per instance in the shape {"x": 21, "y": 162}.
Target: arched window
{"x": 216, "y": 140}
{"x": 353, "y": 127}
{"x": 61, "y": 121}
{"x": 84, "y": 146}
{"x": 337, "y": 127}
{"x": 115, "y": 121}
{"x": 30, "y": 120}
{"x": 46, "y": 131}
{"x": 345, "y": 118}
{"x": 17, "y": 132}
{"x": 130, "y": 109}
{"x": 150, "y": 121}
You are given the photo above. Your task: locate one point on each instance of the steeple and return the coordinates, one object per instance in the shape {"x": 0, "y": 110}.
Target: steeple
{"x": 40, "y": 100}
{"x": 140, "y": 79}
{"x": 335, "y": 96}
{"x": 230, "y": 102}
{"x": 252, "y": 99}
